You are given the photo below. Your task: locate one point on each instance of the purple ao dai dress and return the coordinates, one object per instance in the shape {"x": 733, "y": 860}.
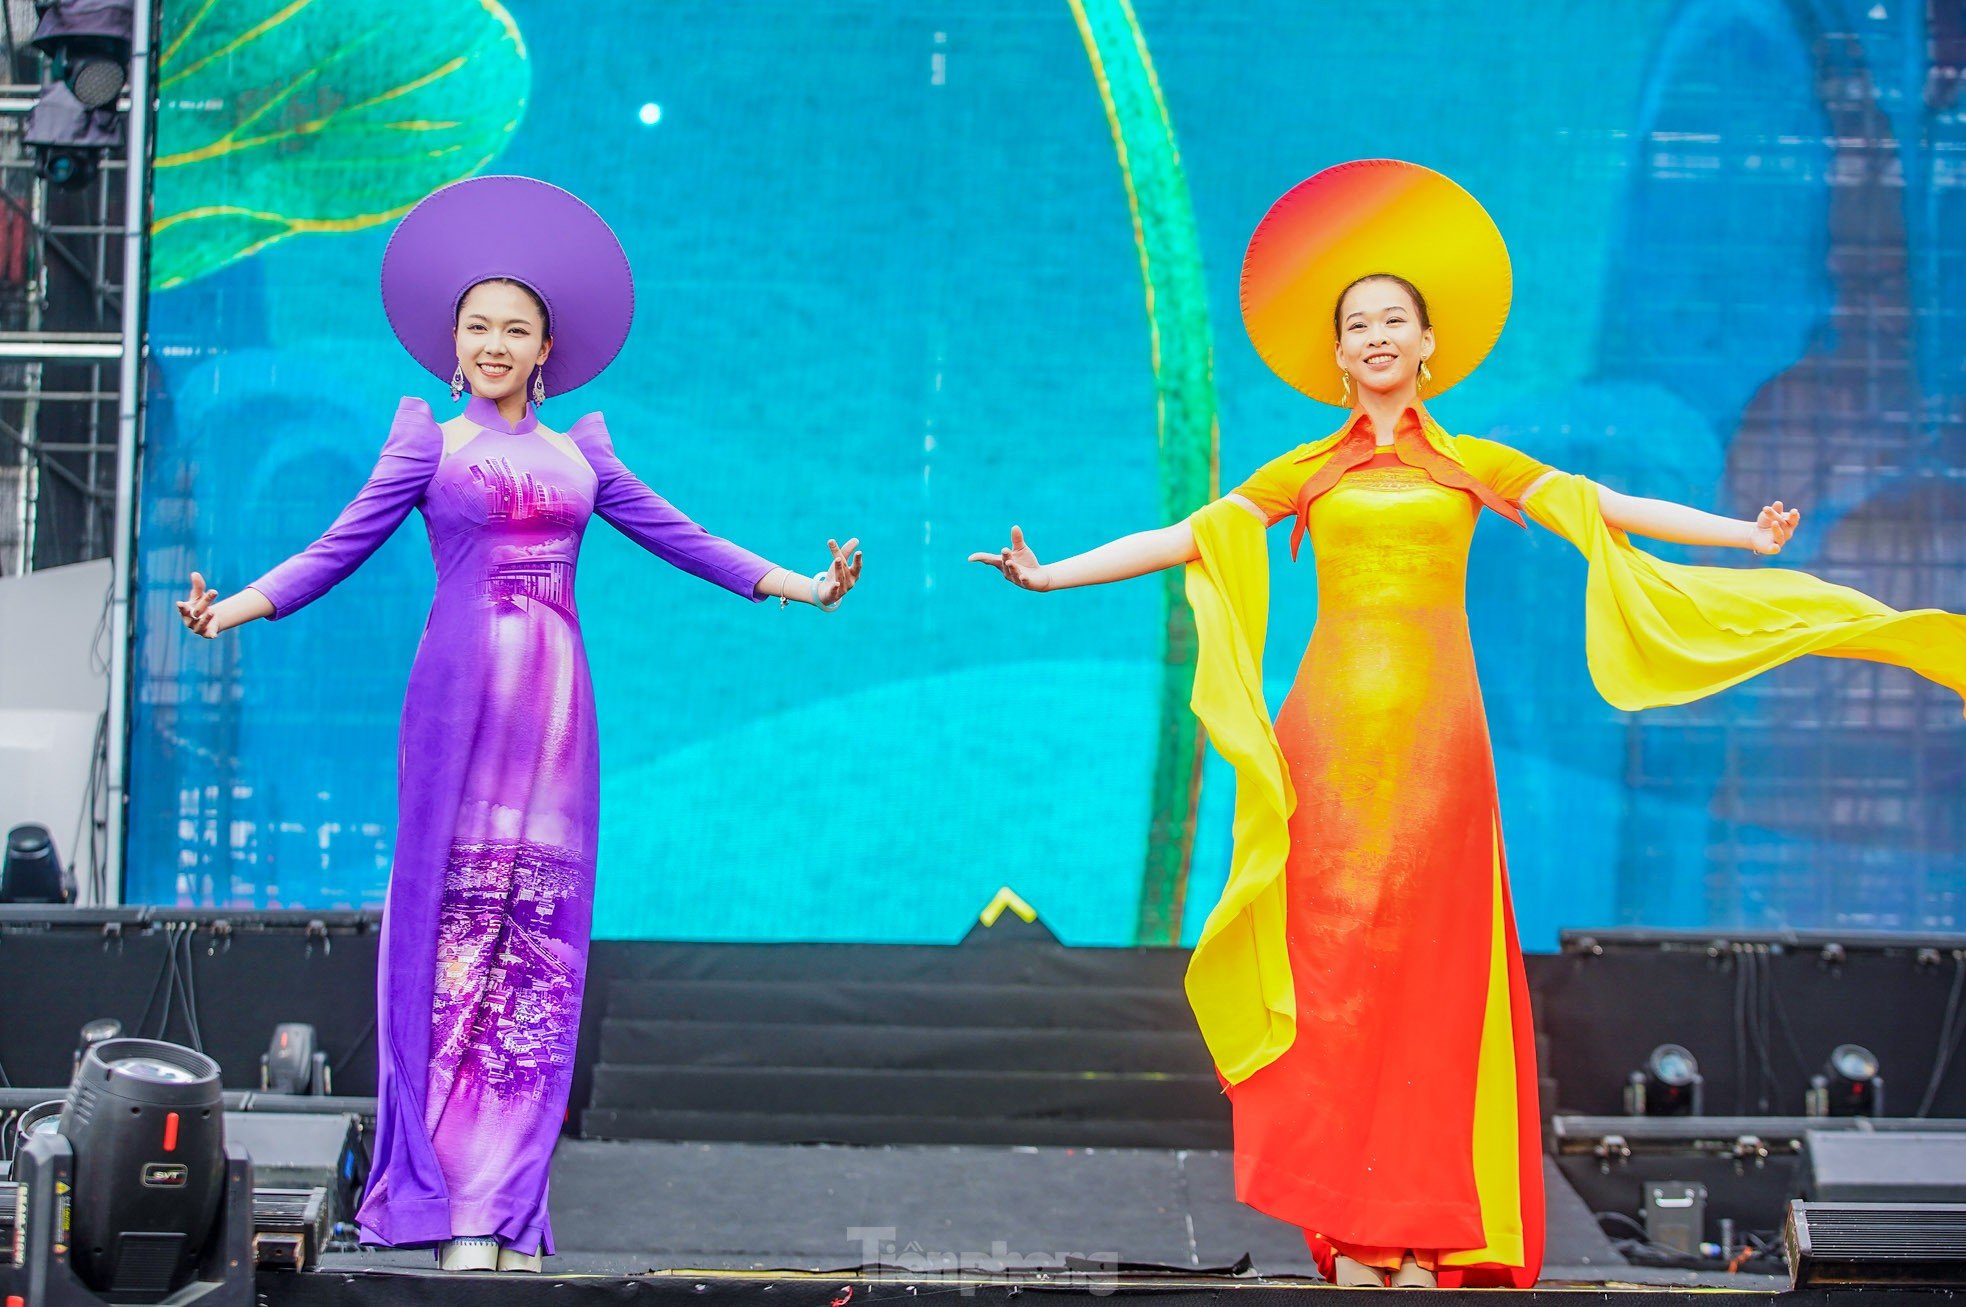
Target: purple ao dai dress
{"x": 486, "y": 923}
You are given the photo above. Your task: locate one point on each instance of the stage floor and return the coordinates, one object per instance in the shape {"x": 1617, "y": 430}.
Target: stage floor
{"x": 910, "y": 1212}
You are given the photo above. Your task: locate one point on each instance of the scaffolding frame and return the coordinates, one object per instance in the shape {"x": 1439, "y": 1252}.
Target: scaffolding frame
{"x": 73, "y": 275}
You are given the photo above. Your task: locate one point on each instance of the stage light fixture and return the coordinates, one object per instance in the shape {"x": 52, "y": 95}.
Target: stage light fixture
{"x": 70, "y": 139}
{"x": 32, "y": 872}
{"x": 133, "y": 1196}
{"x": 92, "y": 1034}
{"x": 1849, "y": 1084}
{"x": 88, "y": 43}
{"x": 1669, "y": 1084}
{"x": 146, "y": 1122}
{"x": 292, "y": 1064}
{"x": 75, "y": 119}
{"x": 41, "y": 1119}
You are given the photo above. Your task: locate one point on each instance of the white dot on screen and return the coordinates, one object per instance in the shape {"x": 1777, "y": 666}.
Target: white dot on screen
{"x": 651, "y": 114}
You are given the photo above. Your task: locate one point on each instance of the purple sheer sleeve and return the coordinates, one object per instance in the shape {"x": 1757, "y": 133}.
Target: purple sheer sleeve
{"x": 658, "y": 526}
{"x": 408, "y": 459}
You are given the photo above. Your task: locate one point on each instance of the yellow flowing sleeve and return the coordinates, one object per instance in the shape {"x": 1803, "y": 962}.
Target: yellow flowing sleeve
{"x": 1660, "y": 633}
{"x": 1239, "y": 976}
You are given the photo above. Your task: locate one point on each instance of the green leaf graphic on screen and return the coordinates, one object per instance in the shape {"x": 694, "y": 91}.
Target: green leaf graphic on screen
{"x": 280, "y": 118}
{"x": 1184, "y": 385}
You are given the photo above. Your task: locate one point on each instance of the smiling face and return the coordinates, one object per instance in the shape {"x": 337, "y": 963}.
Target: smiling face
{"x": 501, "y": 338}
{"x": 1383, "y": 336}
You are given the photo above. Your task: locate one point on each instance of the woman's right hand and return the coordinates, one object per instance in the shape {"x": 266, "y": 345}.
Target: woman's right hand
{"x": 1018, "y": 564}
{"x": 197, "y": 610}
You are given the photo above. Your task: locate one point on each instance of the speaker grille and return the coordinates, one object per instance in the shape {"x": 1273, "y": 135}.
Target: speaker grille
{"x": 1893, "y": 1233}
{"x": 1880, "y": 1244}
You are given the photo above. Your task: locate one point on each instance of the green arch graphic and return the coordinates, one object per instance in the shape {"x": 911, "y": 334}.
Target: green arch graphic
{"x": 1185, "y": 418}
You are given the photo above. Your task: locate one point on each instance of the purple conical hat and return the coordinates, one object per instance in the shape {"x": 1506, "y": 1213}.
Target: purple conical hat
{"x": 536, "y": 234}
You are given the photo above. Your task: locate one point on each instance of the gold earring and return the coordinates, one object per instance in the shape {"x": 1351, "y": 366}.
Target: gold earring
{"x": 1345, "y": 379}
{"x": 1426, "y": 374}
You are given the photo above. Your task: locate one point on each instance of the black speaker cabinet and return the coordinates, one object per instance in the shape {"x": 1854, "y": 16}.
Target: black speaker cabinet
{"x": 1899, "y": 1167}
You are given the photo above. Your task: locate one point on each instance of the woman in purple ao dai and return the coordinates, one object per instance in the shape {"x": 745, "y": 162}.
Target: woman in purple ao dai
{"x": 486, "y": 923}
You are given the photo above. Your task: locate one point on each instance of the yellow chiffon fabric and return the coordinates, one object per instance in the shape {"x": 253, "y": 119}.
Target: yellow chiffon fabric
{"x": 1661, "y": 633}
{"x": 1497, "y": 1148}
{"x": 1656, "y": 633}
{"x": 1238, "y": 979}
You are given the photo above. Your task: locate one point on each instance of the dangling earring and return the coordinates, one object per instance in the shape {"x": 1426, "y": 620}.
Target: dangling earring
{"x": 1426, "y": 375}
{"x": 1345, "y": 379}
{"x": 457, "y": 383}
{"x": 539, "y": 385}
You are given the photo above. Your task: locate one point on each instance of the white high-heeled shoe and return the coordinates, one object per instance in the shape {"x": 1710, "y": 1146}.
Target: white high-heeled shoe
{"x": 510, "y": 1260}
{"x": 468, "y": 1255}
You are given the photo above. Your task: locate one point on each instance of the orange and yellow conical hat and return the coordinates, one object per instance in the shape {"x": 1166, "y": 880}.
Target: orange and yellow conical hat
{"x": 1358, "y": 218}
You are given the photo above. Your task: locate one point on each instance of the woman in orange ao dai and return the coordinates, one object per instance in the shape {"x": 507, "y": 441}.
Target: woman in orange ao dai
{"x": 1360, "y": 985}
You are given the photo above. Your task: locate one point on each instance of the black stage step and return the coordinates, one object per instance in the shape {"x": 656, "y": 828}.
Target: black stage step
{"x": 841, "y": 1001}
{"x": 985, "y": 1043}
{"x": 793, "y": 1091}
{"x": 974, "y": 963}
{"x": 634, "y": 1041}
{"x": 775, "y": 1128}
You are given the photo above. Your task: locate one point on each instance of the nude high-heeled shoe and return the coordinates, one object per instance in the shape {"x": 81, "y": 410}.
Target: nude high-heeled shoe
{"x": 510, "y": 1260}
{"x": 1412, "y": 1275}
{"x": 467, "y": 1255}
{"x": 1349, "y": 1274}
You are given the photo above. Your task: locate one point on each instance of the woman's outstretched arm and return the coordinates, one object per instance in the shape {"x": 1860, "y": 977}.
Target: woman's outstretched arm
{"x": 1662, "y": 519}
{"x": 654, "y": 523}
{"x": 824, "y": 589}
{"x": 401, "y": 473}
{"x": 1117, "y": 560}
{"x": 205, "y": 614}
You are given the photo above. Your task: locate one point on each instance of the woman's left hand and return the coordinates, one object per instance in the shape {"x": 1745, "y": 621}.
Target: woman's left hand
{"x": 844, "y": 572}
{"x": 1773, "y": 528}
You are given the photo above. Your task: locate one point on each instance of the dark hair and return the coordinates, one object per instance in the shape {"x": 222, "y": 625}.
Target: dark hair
{"x": 545, "y": 322}
{"x": 1419, "y": 300}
